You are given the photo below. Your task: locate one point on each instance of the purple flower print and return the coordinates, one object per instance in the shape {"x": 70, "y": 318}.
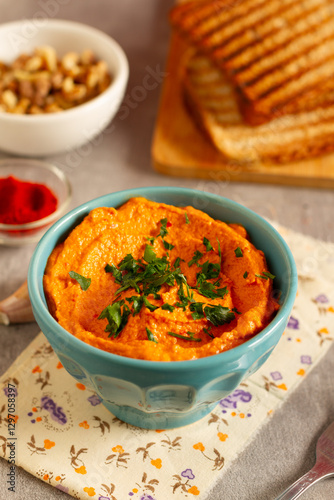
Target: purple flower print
{"x": 237, "y": 396}
{"x": 322, "y": 299}
{"x": 62, "y": 488}
{"x": 94, "y": 400}
{"x": 306, "y": 359}
{"x": 12, "y": 393}
{"x": 188, "y": 473}
{"x": 147, "y": 497}
{"x": 276, "y": 375}
{"x": 104, "y": 498}
{"x": 56, "y": 412}
{"x": 293, "y": 323}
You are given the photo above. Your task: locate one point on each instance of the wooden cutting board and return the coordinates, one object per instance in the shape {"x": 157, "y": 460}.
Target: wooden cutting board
{"x": 180, "y": 149}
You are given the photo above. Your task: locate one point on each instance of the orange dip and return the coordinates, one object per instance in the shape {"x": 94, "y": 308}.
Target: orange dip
{"x": 190, "y": 286}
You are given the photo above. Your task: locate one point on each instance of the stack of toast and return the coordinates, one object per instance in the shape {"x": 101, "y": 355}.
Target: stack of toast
{"x": 259, "y": 75}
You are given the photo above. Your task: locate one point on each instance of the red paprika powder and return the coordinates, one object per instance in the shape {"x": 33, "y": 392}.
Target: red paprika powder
{"x": 23, "y": 201}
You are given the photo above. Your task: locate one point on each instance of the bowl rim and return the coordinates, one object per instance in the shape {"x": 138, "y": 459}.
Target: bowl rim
{"x": 118, "y": 77}
{"x": 59, "y": 210}
{"x": 232, "y": 355}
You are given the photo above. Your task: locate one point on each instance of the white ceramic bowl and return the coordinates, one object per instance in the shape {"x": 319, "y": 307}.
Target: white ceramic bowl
{"x": 48, "y": 134}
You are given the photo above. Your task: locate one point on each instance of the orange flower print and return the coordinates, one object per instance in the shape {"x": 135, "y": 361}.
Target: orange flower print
{"x": 37, "y": 369}
{"x": 46, "y": 477}
{"x": 117, "y": 449}
{"x": 283, "y": 387}
{"x": 84, "y": 424}
{"x": 199, "y": 446}
{"x": 157, "y": 463}
{"x": 81, "y": 470}
{"x": 90, "y": 491}
{"x": 48, "y": 444}
{"x": 57, "y": 478}
{"x": 59, "y": 365}
{"x": 222, "y": 436}
{"x": 80, "y": 386}
{"x": 194, "y": 490}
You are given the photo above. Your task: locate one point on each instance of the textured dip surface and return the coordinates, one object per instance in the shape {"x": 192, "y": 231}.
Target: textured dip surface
{"x": 158, "y": 282}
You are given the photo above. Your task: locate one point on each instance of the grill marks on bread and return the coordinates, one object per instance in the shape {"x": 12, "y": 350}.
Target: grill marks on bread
{"x": 276, "y": 52}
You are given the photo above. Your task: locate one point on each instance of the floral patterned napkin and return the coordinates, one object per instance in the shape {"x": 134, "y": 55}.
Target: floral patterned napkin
{"x": 65, "y": 436}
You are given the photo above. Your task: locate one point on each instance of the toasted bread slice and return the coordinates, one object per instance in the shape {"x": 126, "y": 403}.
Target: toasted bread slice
{"x": 275, "y": 52}
{"x": 213, "y": 102}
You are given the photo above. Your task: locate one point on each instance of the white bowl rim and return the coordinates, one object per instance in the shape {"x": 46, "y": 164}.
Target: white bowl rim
{"x": 117, "y": 78}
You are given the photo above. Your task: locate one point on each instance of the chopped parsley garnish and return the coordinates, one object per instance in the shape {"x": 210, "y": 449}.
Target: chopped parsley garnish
{"x": 145, "y": 276}
{"x": 117, "y": 318}
{"x": 168, "y": 307}
{"x": 163, "y": 229}
{"x": 271, "y": 276}
{"x": 238, "y": 252}
{"x": 137, "y": 302}
{"x": 115, "y": 272}
{"x": 148, "y": 304}
{"x": 245, "y": 274}
{"x": 187, "y": 218}
{"x": 208, "y": 332}
{"x": 197, "y": 255}
{"x": 184, "y": 337}
{"x": 266, "y": 275}
{"x": 150, "y": 336}
{"x": 207, "y": 244}
{"x": 167, "y": 245}
{"x": 216, "y": 314}
{"x": 236, "y": 310}
{"x": 83, "y": 282}
{"x": 208, "y": 289}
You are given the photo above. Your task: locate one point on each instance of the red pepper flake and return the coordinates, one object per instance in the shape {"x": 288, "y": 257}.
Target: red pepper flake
{"x": 169, "y": 224}
{"x": 23, "y": 201}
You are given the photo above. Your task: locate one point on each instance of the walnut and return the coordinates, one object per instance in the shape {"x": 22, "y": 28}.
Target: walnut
{"x": 42, "y": 83}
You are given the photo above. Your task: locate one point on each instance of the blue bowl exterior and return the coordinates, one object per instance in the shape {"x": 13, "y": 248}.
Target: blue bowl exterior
{"x": 162, "y": 395}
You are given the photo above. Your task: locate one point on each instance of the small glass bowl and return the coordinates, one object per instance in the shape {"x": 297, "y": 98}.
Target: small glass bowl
{"x": 42, "y": 173}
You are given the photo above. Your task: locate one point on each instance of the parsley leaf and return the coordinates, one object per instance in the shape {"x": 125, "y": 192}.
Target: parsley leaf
{"x": 187, "y": 218}
{"x": 115, "y": 272}
{"x": 197, "y": 255}
{"x": 238, "y": 252}
{"x": 183, "y": 337}
{"x": 168, "y": 307}
{"x": 117, "y": 319}
{"x": 218, "y": 315}
{"x": 207, "y": 331}
{"x": 271, "y": 276}
{"x": 148, "y": 304}
{"x": 163, "y": 229}
{"x": 207, "y": 244}
{"x": 245, "y": 274}
{"x": 149, "y": 254}
{"x": 150, "y": 336}
{"x": 197, "y": 310}
{"x": 168, "y": 246}
{"x": 209, "y": 290}
{"x": 219, "y": 253}
{"x": 83, "y": 282}
{"x": 138, "y": 302}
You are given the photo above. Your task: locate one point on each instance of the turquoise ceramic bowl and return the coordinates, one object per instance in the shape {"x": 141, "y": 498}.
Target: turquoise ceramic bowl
{"x": 162, "y": 395}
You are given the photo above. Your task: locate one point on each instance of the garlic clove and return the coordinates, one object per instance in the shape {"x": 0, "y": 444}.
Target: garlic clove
{"x": 17, "y": 307}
